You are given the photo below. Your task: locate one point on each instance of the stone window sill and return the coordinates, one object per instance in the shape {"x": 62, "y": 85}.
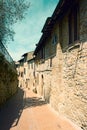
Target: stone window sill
{"x": 72, "y": 46}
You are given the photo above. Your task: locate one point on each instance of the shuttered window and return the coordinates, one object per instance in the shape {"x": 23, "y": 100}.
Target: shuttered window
{"x": 73, "y": 25}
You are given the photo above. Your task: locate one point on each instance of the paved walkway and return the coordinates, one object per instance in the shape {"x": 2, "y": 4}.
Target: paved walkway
{"x": 26, "y": 111}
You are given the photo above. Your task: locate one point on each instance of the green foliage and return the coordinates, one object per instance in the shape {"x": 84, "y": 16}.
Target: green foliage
{"x": 10, "y": 12}
{"x": 1, "y": 57}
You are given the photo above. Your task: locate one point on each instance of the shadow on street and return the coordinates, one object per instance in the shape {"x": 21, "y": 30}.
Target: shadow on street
{"x": 10, "y": 112}
{"x": 33, "y": 102}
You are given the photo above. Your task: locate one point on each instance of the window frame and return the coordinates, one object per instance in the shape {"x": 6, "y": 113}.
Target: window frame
{"x": 55, "y": 39}
{"x": 73, "y": 24}
{"x": 24, "y": 70}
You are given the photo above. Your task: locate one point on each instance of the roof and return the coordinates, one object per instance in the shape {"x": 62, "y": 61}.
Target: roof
{"x": 21, "y": 60}
{"x": 46, "y": 25}
{"x": 60, "y": 10}
{"x": 31, "y": 60}
{"x": 25, "y": 54}
{"x": 28, "y": 55}
{"x": 46, "y": 32}
{"x": 16, "y": 62}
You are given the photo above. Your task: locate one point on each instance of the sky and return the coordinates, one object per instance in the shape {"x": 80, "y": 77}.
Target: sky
{"x": 28, "y": 31}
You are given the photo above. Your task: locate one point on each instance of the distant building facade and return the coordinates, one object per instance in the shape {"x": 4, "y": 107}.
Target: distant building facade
{"x": 31, "y": 72}
{"x": 23, "y": 69}
{"x": 20, "y": 71}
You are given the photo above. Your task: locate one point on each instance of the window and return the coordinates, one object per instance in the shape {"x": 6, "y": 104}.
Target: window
{"x": 34, "y": 73}
{"x": 55, "y": 39}
{"x": 24, "y": 70}
{"x": 43, "y": 53}
{"x": 21, "y": 74}
{"x": 50, "y": 62}
{"x": 73, "y": 25}
{"x": 31, "y": 65}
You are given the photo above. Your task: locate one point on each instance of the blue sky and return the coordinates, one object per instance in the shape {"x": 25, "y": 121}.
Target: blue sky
{"x": 28, "y": 31}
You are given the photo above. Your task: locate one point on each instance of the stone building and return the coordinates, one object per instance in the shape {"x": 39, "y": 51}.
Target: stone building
{"x": 31, "y": 73}
{"x": 23, "y": 69}
{"x": 61, "y": 61}
{"x": 20, "y": 71}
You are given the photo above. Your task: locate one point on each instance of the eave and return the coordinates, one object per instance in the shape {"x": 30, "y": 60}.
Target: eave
{"x": 59, "y": 12}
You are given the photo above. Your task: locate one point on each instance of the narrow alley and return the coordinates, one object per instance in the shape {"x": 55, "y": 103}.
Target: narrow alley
{"x": 27, "y": 111}
{"x": 43, "y": 65}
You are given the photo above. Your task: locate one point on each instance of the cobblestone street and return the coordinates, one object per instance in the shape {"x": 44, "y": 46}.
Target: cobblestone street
{"x": 27, "y": 111}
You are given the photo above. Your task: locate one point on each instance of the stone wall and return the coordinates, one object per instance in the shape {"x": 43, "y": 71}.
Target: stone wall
{"x": 65, "y": 82}
{"x": 8, "y": 80}
{"x": 68, "y": 82}
{"x": 75, "y": 83}
{"x": 69, "y": 74}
